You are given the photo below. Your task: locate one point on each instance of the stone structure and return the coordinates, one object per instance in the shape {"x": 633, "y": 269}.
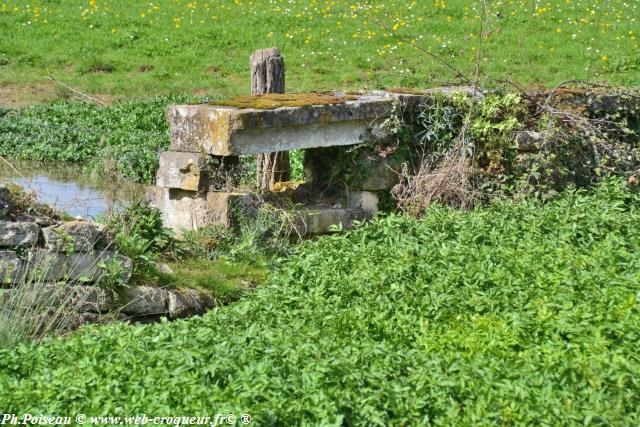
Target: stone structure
{"x": 68, "y": 261}
{"x": 202, "y": 133}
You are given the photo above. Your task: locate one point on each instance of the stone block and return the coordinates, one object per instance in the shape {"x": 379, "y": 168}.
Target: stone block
{"x": 185, "y": 171}
{"x": 12, "y": 268}
{"x": 187, "y": 302}
{"x": 18, "y": 234}
{"x": 380, "y": 177}
{"x": 5, "y": 201}
{"x": 529, "y": 141}
{"x": 72, "y": 236}
{"x": 367, "y": 201}
{"x": 227, "y": 131}
{"x": 144, "y": 301}
{"x": 80, "y": 267}
{"x": 187, "y": 210}
{"x": 318, "y": 220}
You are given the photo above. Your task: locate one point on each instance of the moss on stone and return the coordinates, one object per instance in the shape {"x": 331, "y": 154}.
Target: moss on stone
{"x": 276, "y": 100}
{"x": 406, "y": 91}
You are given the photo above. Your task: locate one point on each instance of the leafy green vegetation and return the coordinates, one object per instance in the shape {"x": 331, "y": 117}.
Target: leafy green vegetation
{"x": 579, "y": 141}
{"x": 201, "y": 261}
{"x": 515, "y": 313}
{"x": 124, "y": 138}
{"x": 117, "y": 48}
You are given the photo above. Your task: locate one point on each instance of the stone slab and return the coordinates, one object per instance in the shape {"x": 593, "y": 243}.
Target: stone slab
{"x": 227, "y": 131}
{"x": 72, "y": 236}
{"x": 185, "y": 171}
{"x": 18, "y": 234}
{"x": 187, "y": 210}
{"x": 144, "y": 301}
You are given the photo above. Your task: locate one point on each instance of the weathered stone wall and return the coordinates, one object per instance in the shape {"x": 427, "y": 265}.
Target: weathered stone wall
{"x": 69, "y": 261}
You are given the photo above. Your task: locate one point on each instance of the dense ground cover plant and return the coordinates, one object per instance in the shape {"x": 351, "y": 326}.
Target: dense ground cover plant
{"x": 124, "y": 138}
{"x": 516, "y": 314}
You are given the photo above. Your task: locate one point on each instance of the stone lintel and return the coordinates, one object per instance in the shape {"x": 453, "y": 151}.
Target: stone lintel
{"x": 225, "y": 131}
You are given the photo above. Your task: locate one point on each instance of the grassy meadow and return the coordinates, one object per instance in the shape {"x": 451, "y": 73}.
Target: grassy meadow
{"x": 117, "y": 48}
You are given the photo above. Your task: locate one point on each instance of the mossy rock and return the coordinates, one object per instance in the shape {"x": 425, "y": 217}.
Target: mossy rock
{"x": 272, "y": 101}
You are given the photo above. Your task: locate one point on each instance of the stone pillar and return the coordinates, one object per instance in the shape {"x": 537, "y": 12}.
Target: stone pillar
{"x": 267, "y": 76}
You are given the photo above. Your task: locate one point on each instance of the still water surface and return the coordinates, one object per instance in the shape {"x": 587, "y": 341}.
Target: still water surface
{"x": 66, "y": 188}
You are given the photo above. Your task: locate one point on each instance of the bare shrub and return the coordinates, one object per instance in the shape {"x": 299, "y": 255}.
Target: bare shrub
{"x": 448, "y": 181}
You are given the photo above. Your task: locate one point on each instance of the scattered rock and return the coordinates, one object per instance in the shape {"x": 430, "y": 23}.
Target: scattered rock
{"x": 163, "y": 268}
{"x": 72, "y": 236}
{"x": 186, "y": 302}
{"x": 14, "y": 234}
{"x": 144, "y": 301}
{"x": 529, "y": 141}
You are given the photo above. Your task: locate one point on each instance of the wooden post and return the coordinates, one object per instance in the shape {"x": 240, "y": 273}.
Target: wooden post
{"x": 267, "y": 76}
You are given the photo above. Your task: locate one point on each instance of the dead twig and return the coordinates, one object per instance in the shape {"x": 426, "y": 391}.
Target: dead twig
{"x": 82, "y": 94}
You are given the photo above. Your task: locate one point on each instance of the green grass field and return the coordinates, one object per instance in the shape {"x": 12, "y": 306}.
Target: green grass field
{"x": 135, "y": 48}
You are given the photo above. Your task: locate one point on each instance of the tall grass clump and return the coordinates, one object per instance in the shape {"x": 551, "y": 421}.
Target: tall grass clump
{"x": 35, "y": 307}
